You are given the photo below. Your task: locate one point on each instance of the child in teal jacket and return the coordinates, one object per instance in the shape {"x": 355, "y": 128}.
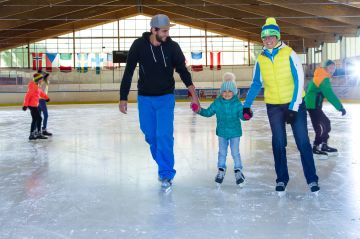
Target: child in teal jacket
{"x": 228, "y": 110}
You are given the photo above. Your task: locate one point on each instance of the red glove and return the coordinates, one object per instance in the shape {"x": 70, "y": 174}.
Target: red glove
{"x": 247, "y": 113}
{"x": 194, "y": 107}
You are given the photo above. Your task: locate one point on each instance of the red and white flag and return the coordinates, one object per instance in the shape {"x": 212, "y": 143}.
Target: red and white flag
{"x": 37, "y": 61}
{"x": 50, "y": 57}
{"x": 218, "y": 60}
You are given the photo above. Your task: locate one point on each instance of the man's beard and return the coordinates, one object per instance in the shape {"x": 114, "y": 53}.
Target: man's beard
{"x": 159, "y": 39}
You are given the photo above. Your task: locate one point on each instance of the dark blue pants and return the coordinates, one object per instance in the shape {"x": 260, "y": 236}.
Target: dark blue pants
{"x": 156, "y": 116}
{"x": 277, "y": 116}
{"x": 43, "y": 109}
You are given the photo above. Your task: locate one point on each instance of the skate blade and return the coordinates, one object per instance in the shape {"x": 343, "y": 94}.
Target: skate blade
{"x": 281, "y": 194}
{"x": 241, "y": 185}
{"x": 333, "y": 154}
{"x": 166, "y": 189}
{"x": 315, "y": 194}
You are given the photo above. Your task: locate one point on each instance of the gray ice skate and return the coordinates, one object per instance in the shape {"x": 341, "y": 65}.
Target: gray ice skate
{"x": 220, "y": 176}
{"x": 239, "y": 177}
{"x": 166, "y": 185}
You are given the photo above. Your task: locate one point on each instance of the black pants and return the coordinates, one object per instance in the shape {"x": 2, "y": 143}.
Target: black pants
{"x": 321, "y": 125}
{"x": 36, "y": 119}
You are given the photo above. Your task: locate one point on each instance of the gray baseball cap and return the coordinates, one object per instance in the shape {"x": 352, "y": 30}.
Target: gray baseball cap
{"x": 160, "y": 21}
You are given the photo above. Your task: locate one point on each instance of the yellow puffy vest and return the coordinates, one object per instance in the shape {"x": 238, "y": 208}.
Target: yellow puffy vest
{"x": 277, "y": 78}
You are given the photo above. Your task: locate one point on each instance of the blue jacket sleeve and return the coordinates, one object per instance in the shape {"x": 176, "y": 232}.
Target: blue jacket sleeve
{"x": 298, "y": 76}
{"x": 255, "y": 86}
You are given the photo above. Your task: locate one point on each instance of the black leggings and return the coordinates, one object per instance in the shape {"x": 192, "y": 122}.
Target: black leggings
{"x": 36, "y": 119}
{"x": 321, "y": 125}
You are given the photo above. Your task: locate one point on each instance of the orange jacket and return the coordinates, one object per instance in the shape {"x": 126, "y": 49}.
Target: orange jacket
{"x": 33, "y": 94}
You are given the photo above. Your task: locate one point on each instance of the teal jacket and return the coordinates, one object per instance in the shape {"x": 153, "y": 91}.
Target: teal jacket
{"x": 228, "y": 115}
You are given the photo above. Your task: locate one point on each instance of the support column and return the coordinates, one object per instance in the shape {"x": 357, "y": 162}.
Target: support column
{"x": 249, "y": 51}
{"x": 206, "y": 50}
{"x": 74, "y": 48}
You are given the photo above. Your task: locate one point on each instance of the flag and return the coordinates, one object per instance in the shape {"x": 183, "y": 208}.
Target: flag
{"x": 37, "y": 61}
{"x": 218, "y": 60}
{"x": 98, "y": 60}
{"x": 196, "y": 59}
{"x": 109, "y": 61}
{"x": 65, "y": 62}
{"x": 50, "y": 57}
{"x": 196, "y": 55}
{"x": 82, "y": 65}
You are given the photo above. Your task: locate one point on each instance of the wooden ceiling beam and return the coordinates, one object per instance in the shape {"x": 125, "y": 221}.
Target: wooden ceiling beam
{"x": 288, "y": 18}
{"x": 250, "y": 30}
{"x": 337, "y": 12}
{"x": 65, "y": 28}
{"x": 193, "y": 22}
{"x": 15, "y": 7}
{"x": 58, "y": 13}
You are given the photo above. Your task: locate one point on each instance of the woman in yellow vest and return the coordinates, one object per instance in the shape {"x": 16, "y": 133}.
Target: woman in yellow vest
{"x": 279, "y": 70}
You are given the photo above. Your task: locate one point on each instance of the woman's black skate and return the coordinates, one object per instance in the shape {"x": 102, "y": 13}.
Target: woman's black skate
{"x": 314, "y": 188}
{"x": 280, "y": 189}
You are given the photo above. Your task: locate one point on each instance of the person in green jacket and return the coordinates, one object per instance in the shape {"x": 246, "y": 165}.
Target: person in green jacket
{"x": 318, "y": 89}
{"x": 228, "y": 110}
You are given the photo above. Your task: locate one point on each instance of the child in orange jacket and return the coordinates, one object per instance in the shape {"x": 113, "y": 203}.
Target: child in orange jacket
{"x": 31, "y": 101}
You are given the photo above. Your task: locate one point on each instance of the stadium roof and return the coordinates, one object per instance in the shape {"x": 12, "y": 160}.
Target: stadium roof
{"x": 303, "y": 23}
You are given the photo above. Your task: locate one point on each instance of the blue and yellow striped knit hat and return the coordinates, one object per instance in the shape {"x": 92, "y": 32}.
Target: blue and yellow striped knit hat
{"x": 271, "y": 28}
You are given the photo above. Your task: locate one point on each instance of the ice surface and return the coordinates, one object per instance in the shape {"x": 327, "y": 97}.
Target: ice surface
{"x": 95, "y": 179}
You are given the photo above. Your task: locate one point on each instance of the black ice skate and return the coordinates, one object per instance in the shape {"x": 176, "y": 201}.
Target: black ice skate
{"x": 280, "y": 189}
{"x": 46, "y": 133}
{"x": 314, "y": 188}
{"x": 329, "y": 150}
{"x": 220, "y": 176}
{"x": 318, "y": 153}
{"x": 239, "y": 177}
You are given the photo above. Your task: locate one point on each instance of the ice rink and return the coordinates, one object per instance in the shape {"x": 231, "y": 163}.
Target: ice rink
{"x": 95, "y": 178}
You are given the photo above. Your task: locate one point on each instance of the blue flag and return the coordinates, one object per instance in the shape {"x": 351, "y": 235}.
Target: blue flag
{"x": 196, "y": 55}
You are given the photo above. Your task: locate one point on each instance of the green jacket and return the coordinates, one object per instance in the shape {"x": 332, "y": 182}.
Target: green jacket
{"x": 228, "y": 115}
{"x": 318, "y": 89}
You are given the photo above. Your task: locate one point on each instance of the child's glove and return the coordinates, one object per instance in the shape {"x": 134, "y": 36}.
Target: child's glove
{"x": 24, "y": 108}
{"x": 47, "y": 100}
{"x": 194, "y": 107}
{"x": 290, "y": 116}
{"x": 247, "y": 113}
{"x": 343, "y": 111}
